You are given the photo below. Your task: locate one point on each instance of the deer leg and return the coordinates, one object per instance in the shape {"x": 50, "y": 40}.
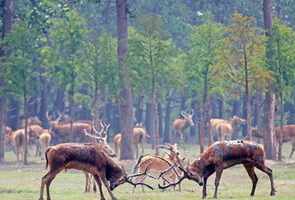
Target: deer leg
{"x": 87, "y": 189}
{"x": 293, "y": 150}
{"x": 268, "y": 171}
{"x": 142, "y": 148}
{"x": 46, "y": 180}
{"x": 217, "y": 180}
{"x": 250, "y": 170}
{"x": 205, "y": 188}
{"x": 105, "y": 182}
{"x": 98, "y": 181}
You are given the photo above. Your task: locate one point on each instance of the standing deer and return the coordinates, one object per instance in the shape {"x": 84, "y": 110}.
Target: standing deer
{"x": 223, "y": 155}
{"x": 44, "y": 141}
{"x": 85, "y": 157}
{"x": 283, "y": 135}
{"x": 139, "y": 137}
{"x": 181, "y": 123}
{"x": 224, "y": 128}
{"x": 100, "y": 138}
{"x": 17, "y": 138}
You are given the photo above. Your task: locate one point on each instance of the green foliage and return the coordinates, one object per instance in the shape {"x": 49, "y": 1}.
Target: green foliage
{"x": 244, "y": 48}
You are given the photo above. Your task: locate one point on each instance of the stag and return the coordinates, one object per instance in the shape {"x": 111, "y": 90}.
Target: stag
{"x": 154, "y": 165}
{"x": 224, "y": 128}
{"x": 183, "y": 121}
{"x": 85, "y": 157}
{"x": 101, "y": 138}
{"x": 139, "y": 136}
{"x": 223, "y": 155}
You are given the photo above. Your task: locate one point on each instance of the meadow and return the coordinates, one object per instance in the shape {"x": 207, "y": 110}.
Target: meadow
{"x": 23, "y": 183}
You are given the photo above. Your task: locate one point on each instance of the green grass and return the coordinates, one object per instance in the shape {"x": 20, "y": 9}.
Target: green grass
{"x": 23, "y": 182}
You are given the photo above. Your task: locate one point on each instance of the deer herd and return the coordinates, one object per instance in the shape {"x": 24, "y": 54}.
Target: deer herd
{"x": 92, "y": 154}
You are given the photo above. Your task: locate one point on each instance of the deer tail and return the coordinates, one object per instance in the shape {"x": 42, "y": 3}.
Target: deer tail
{"x": 46, "y": 157}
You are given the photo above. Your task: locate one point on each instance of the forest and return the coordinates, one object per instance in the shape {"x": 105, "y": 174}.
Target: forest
{"x": 211, "y": 57}
{"x": 137, "y": 63}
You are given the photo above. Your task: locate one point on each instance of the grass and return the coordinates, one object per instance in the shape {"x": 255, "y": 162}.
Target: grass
{"x": 23, "y": 182}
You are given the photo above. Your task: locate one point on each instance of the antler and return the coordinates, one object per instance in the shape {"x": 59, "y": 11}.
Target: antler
{"x": 128, "y": 179}
{"x": 93, "y": 136}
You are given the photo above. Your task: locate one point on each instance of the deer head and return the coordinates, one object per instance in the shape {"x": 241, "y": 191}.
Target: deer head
{"x": 188, "y": 117}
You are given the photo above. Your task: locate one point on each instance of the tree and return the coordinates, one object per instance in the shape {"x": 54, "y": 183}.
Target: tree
{"x": 269, "y": 108}
{"x": 126, "y": 111}
{"x": 206, "y": 39}
{"x": 7, "y": 19}
{"x": 243, "y": 59}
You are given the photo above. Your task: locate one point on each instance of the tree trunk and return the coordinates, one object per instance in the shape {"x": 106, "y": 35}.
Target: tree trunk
{"x": 126, "y": 111}
{"x": 59, "y": 103}
{"x": 205, "y": 112}
{"x": 25, "y": 98}
{"x": 193, "y": 129}
{"x": 139, "y": 109}
{"x": 167, "y": 119}
{"x": 220, "y": 107}
{"x": 7, "y": 19}
{"x": 269, "y": 143}
{"x": 148, "y": 117}
{"x": 160, "y": 121}
{"x": 44, "y": 102}
{"x": 247, "y": 97}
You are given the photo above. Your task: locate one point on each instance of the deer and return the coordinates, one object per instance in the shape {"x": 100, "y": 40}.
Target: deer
{"x": 88, "y": 157}
{"x": 44, "y": 141}
{"x": 155, "y": 164}
{"x": 283, "y": 134}
{"x": 101, "y": 138}
{"x": 17, "y": 138}
{"x": 224, "y": 128}
{"x": 183, "y": 121}
{"x": 139, "y": 136}
{"x": 222, "y": 155}
{"x": 35, "y": 131}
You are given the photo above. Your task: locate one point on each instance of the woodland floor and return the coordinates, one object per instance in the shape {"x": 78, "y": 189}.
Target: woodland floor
{"x": 23, "y": 182}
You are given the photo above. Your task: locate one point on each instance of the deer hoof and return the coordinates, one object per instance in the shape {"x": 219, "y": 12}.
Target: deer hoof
{"x": 273, "y": 193}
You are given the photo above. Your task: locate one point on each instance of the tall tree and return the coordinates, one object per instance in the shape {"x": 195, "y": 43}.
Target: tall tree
{"x": 126, "y": 110}
{"x": 270, "y": 100}
{"x": 7, "y": 18}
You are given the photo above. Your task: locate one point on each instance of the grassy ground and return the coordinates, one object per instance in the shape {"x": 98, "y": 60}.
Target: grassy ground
{"x": 23, "y": 182}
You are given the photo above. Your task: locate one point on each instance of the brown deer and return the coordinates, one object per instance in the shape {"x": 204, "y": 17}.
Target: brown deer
{"x": 34, "y": 132}
{"x": 154, "y": 165}
{"x": 139, "y": 137}
{"x": 223, "y": 155}
{"x": 85, "y": 157}
{"x": 44, "y": 141}
{"x": 100, "y": 138}
{"x": 17, "y": 138}
{"x": 283, "y": 135}
{"x": 224, "y": 128}
{"x": 183, "y": 121}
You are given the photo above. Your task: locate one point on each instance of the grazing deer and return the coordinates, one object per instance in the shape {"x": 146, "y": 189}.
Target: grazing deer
{"x": 85, "y": 157}
{"x": 154, "y": 165}
{"x": 223, "y": 155}
{"x": 100, "y": 138}
{"x": 182, "y": 122}
{"x": 44, "y": 141}
{"x": 139, "y": 136}
{"x": 224, "y": 128}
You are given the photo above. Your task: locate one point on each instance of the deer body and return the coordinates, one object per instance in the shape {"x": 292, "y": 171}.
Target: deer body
{"x": 224, "y": 128}
{"x": 17, "y": 138}
{"x": 44, "y": 141}
{"x": 181, "y": 123}
{"x": 139, "y": 136}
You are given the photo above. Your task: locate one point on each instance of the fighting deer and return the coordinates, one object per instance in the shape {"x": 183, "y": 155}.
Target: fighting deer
{"x": 85, "y": 157}
{"x": 223, "y": 155}
{"x": 139, "y": 137}
{"x": 154, "y": 165}
{"x": 101, "y": 138}
{"x": 224, "y": 128}
{"x": 183, "y": 121}
{"x": 44, "y": 141}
